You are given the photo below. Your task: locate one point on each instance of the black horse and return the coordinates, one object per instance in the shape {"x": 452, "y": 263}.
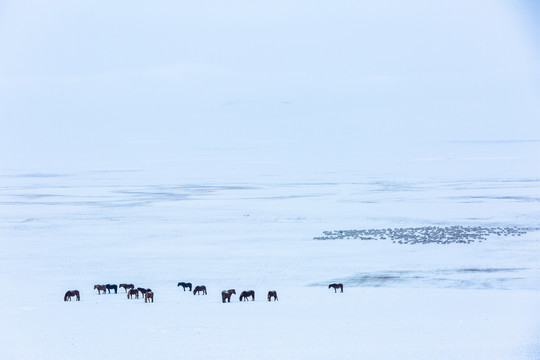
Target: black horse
{"x": 71, "y": 293}
{"x": 185, "y": 285}
{"x": 272, "y": 294}
{"x": 226, "y": 295}
{"x": 336, "y": 287}
{"x": 245, "y": 294}
{"x": 199, "y": 289}
{"x": 112, "y": 287}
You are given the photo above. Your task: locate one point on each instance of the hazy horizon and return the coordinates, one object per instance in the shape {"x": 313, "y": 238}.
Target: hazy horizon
{"x": 293, "y": 85}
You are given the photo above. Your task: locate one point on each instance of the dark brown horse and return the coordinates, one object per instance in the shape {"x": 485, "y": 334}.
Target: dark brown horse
{"x": 148, "y": 296}
{"x": 133, "y": 292}
{"x": 226, "y": 295}
{"x": 245, "y": 294}
{"x": 127, "y": 286}
{"x": 72, "y": 293}
{"x": 112, "y": 287}
{"x": 100, "y": 288}
{"x": 272, "y": 294}
{"x": 336, "y": 287}
{"x": 185, "y": 285}
{"x": 199, "y": 289}
{"x": 143, "y": 290}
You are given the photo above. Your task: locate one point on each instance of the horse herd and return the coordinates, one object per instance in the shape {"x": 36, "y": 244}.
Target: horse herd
{"x": 148, "y": 294}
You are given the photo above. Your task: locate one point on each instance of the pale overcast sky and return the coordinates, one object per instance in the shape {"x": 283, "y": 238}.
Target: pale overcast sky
{"x": 117, "y": 83}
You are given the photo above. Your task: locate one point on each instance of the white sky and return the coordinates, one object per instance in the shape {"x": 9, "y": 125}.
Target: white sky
{"x": 115, "y": 84}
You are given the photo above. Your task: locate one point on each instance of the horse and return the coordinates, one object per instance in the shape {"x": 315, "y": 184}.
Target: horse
{"x": 245, "y": 294}
{"x": 100, "y": 288}
{"x": 148, "y": 296}
{"x": 226, "y": 295}
{"x": 143, "y": 290}
{"x": 272, "y": 294}
{"x": 112, "y": 287}
{"x": 185, "y": 285}
{"x": 71, "y": 293}
{"x": 126, "y": 286}
{"x": 199, "y": 289}
{"x": 133, "y": 292}
{"x": 336, "y": 287}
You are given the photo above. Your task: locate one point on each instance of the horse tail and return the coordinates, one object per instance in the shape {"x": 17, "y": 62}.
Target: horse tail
{"x": 78, "y": 296}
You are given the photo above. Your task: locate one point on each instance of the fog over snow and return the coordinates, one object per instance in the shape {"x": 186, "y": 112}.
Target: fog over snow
{"x": 289, "y": 84}
{"x": 216, "y": 142}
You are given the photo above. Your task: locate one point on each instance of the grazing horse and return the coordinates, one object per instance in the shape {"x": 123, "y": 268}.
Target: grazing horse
{"x": 112, "y": 287}
{"x": 226, "y": 295}
{"x": 185, "y": 285}
{"x": 245, "y": 294}
{"x": 199, "y": 289}
{"x": 143, "y": 290}
{"x": 148, "y": 296}
{"x": 100, "y": 288}
{"x": 133, "y": 292}
{"x": 71, "y": 293}
{"x": 336, "y": 287}
{"x": 127, "y": 286}
{"x": 272, "y": 294}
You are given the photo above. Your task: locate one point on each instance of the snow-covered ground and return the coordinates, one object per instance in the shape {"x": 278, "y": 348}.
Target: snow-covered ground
{"x": 70, "y": 230}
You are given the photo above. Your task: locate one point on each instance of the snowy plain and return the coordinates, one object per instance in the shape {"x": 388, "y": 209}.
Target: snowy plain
{"x": 64, "y": 230}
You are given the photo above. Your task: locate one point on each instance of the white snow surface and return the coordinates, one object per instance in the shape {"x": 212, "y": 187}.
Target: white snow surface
{"x": 71, "y": 230}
